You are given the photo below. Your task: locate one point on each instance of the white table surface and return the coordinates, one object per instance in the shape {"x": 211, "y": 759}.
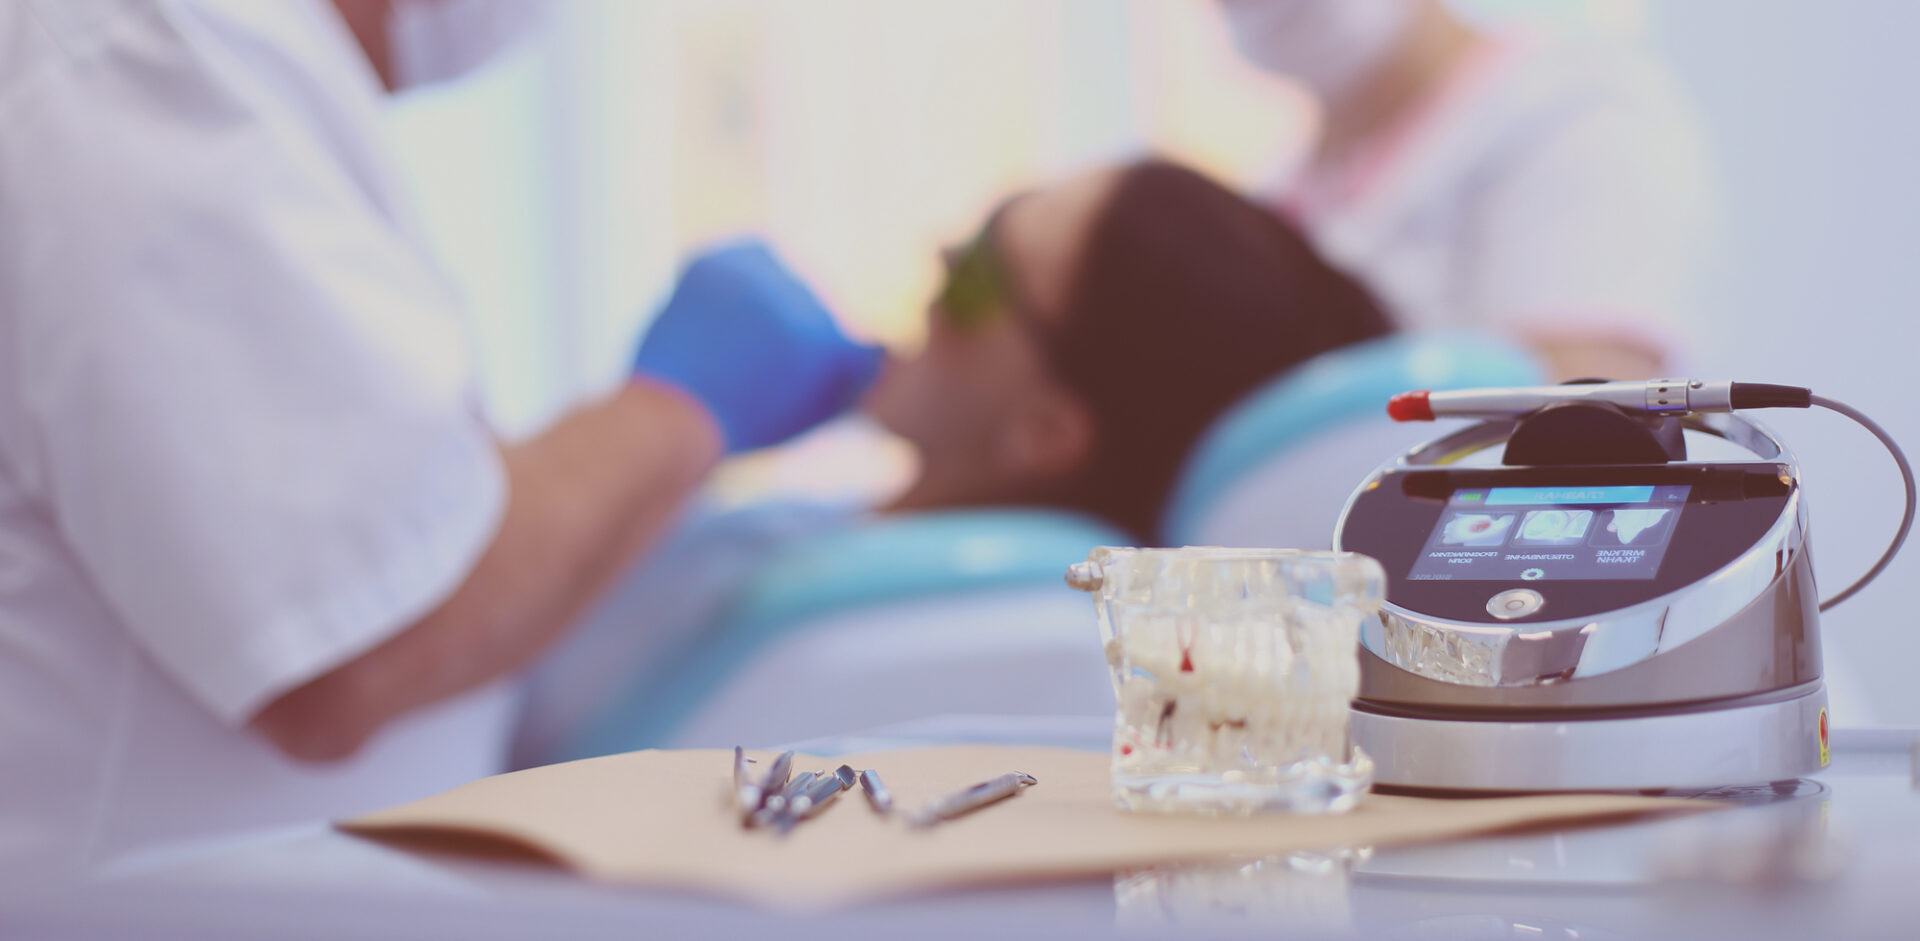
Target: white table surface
{"x": 1840, "y": 859}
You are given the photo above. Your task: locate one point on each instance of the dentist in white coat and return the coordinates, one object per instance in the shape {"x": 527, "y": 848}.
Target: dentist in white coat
{"x": 261, "y": 559}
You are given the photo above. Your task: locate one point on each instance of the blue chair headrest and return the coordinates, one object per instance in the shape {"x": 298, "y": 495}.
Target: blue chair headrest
{"x": 909, "y": 557}
{"x": 1327, "y": 391}
{"x": 918, "y": 555}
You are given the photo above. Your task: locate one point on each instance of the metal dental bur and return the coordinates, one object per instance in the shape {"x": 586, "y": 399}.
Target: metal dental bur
{"x": 770, "y": 789}
{"x": 746, "y": 793}
{"x": 817, "y": 795}
{"x": 970, "y": 799}
{"x": 778, "y": 804}
{"x": 878, "y": 797}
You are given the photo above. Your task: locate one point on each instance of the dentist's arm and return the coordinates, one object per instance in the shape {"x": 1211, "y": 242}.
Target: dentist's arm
{"x": 741, "y": 357}
{"x": 583, "y": 499}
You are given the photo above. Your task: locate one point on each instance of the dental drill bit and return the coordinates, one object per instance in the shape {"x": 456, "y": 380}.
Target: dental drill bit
{"x": 878, "y": 797}
{"x": 778, "y": 804}
{"x": 770, "y": 788}
{"x": 808, "y": 802}
{"x": 968, "y": 800}
{"x": 746, "y": 793}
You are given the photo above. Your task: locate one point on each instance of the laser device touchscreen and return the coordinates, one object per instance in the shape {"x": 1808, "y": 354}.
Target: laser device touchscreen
{"x": 1551, "y": 533}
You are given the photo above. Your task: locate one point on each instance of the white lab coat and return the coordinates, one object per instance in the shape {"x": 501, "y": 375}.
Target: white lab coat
{"x": 1548, "y": 185}
{"x": 239, "y": 443}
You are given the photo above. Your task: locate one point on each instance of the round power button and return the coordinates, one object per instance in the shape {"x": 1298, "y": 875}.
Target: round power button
{"x": 1515, "y": 603}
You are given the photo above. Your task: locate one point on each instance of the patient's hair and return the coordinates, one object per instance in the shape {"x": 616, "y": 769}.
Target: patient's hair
{"x": 1187, "y": 296}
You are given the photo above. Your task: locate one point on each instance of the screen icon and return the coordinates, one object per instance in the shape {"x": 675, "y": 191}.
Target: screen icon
{"x": 1476, "y": 529}
{"x": 1554, "y": 527}
{"x": 1633, "y": 527}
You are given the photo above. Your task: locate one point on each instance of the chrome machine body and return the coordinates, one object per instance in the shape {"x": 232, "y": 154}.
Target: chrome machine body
{"x": 1602, "y": 669}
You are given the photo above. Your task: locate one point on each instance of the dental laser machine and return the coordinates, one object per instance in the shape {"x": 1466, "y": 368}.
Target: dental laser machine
{"x": 1596, "y": 611}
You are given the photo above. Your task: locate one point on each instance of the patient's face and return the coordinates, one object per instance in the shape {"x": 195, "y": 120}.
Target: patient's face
{"x": 979, "y": 401}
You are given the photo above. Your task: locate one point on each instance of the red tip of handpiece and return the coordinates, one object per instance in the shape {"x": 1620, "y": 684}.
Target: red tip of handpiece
{"x": 1410, "y": 406}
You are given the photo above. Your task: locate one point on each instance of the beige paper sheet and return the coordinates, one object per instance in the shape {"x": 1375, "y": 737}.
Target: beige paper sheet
{"x": 661, "y": 819}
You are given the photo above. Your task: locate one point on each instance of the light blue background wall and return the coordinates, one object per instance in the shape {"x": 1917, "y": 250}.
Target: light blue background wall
{"x": 1814, "y": 113}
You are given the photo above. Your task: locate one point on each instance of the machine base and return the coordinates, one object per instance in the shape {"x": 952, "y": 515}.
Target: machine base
{"x": 1748, "y": 744}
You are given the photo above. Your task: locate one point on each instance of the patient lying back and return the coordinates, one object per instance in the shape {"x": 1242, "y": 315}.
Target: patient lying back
{"x": 1082, "y": 342}
{"x": 1091, "y": 330}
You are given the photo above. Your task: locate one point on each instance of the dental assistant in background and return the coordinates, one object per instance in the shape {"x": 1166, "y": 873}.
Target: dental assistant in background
{"x": 261, "y": 558}
{"x": 1552, "y": 189}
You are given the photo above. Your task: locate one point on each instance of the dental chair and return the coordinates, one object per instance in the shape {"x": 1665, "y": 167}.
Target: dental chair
{"x": 964, "y": 612}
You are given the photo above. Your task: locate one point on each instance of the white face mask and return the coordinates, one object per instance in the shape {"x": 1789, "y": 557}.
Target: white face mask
{"x": 433, "y": 41}
{"x": 1330, "y": 46}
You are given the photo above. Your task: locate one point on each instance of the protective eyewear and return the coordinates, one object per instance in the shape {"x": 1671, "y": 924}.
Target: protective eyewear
{"x": 979, "y": 285}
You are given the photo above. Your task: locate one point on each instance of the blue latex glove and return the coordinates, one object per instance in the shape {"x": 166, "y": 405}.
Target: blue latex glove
{"x": 743, "y": 336}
